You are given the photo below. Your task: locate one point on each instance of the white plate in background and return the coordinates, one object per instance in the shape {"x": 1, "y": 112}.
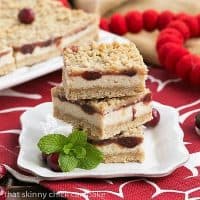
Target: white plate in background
{"x": 25, "y": 74}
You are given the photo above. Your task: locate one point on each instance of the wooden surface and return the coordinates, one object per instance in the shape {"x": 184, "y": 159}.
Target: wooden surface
{"x": 145, "y": 41}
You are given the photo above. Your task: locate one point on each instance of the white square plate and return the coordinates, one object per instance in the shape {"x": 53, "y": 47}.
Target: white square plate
{"x": 164, "y": 147}
{"x": 25, "y": 74}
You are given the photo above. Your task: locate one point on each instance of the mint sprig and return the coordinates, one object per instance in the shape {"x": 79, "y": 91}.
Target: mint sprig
{"x": 74, "y": 150}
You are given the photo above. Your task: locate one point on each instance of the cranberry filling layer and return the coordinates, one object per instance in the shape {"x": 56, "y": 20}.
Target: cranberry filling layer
{"x": 94, "y": 75}
{"x": 89, "y": 109}
{"x": 128, "y": 142}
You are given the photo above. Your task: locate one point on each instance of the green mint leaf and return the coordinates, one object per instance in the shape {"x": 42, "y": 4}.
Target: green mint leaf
{"x": 52, "y": 143}
{"x": 67, "y": 162}
{"x": 77, "y": 137}
{"x": 67, "y": 148}
{"x": 79, "y": 152}
{"x": 92, "y": 159}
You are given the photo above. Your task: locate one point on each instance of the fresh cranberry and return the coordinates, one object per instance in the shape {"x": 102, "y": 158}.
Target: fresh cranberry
{"x": 155, "y": 120}
{"x": 52, "y": 162}
{"x": 44, "y": 157}
{"x": 3, "y": 171}
{"x": 197, "y": 120}
{"x": 26, "y": 16}
{"x": 2, "y": 193}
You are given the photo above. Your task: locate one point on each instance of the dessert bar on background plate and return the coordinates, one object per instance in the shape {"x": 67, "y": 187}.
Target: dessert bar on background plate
{"x": 158, "y": 161}
{"x": 28, "y": 73}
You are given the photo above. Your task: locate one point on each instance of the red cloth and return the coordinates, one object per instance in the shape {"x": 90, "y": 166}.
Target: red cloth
{"x": 183, "y": 183}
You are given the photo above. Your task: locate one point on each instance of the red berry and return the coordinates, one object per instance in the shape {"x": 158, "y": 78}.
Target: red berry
{"x": 185, "y": 65}
{"x": 118, "y": 24}
{"x": 65, "y": 3}
{"x": 3, "y": 171}
{"x": 134, "y": 21}
{"x": 173, "y": 57}
{"x": 195, "y": 74}
{"x": 168, "y": 38}
{"x": 3, "y": 193}
{"x": 164, "y": 50}
{"x": 193, "y": 25}
{"x": 52, "y": 162}
{"x": 180, "y": 16}
{"x": 198, "y": 18}
{"x": 181, "y": 27}
{"x": 104, "y": 24}
{"x": 150, "y": 19}
{"x": 155, "y": 120}
{"x": 26, "y": 16}
{"x": 44, "y": 157}
{"x": 164, "y": 19}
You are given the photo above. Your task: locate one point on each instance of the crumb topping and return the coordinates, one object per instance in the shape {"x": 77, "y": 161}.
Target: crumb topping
{"x": 112, "y": 57}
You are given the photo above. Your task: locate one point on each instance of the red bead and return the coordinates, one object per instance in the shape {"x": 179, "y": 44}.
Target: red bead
{"x": 172, "y": 31}
{"x": 134, "y": 21}
{"x": 164, "y": 19}
{"x": 118, "y": 24}
{"x": 26, "y": 16}
{"x": 180, "y": 16}
{"x": 185, "y": 65}
{"x": 193, "y": 25}
{"x": 173, "y": 57}
{"x": 181, "y": 27}
{"x": 164, "y": 50}
{"x": 150, "y": 19}
{"x": 104, "y": 24}
{"x": 195, "y": 74}
{"x": 165, "y": 38}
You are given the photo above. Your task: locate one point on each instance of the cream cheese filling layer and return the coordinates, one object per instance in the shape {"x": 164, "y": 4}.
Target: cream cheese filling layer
{"x": 123, "y": 115}
{"x": 6, "y": 59}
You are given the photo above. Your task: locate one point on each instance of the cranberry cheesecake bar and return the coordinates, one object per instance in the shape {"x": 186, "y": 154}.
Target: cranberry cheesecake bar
{"x": 103, "y": 70}
{"x": 125, "y": 147}
{"x": 38, "y": 30}
{"x": 103, "y": 118}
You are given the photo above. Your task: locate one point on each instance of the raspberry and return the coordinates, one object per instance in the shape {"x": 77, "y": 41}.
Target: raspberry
{"x": 164, "y": 50}
{"x": 193, "y": 25}
{"x": 134, "y": 21}
{"x": 173, "y": 57}
{"x": 26, "y": 16}
{"x": 180, "y": 16}
{"x": 195, "y": 74}
{"x": 150, "y": 19}
{"x": 181, "y": 27}
{"x": 185, "y": 65}
{"x": 118, "y": 24}
{"x": 164, "y": 19}
{"x": 165, "y": 38}
{"x": 104, "y": 24}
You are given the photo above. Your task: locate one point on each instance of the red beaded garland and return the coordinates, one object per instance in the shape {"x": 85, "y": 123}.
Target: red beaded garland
{"x": 175, "y": 29}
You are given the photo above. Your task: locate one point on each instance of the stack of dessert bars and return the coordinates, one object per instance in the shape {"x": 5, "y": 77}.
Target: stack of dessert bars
{"x": 103, "y": 92}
